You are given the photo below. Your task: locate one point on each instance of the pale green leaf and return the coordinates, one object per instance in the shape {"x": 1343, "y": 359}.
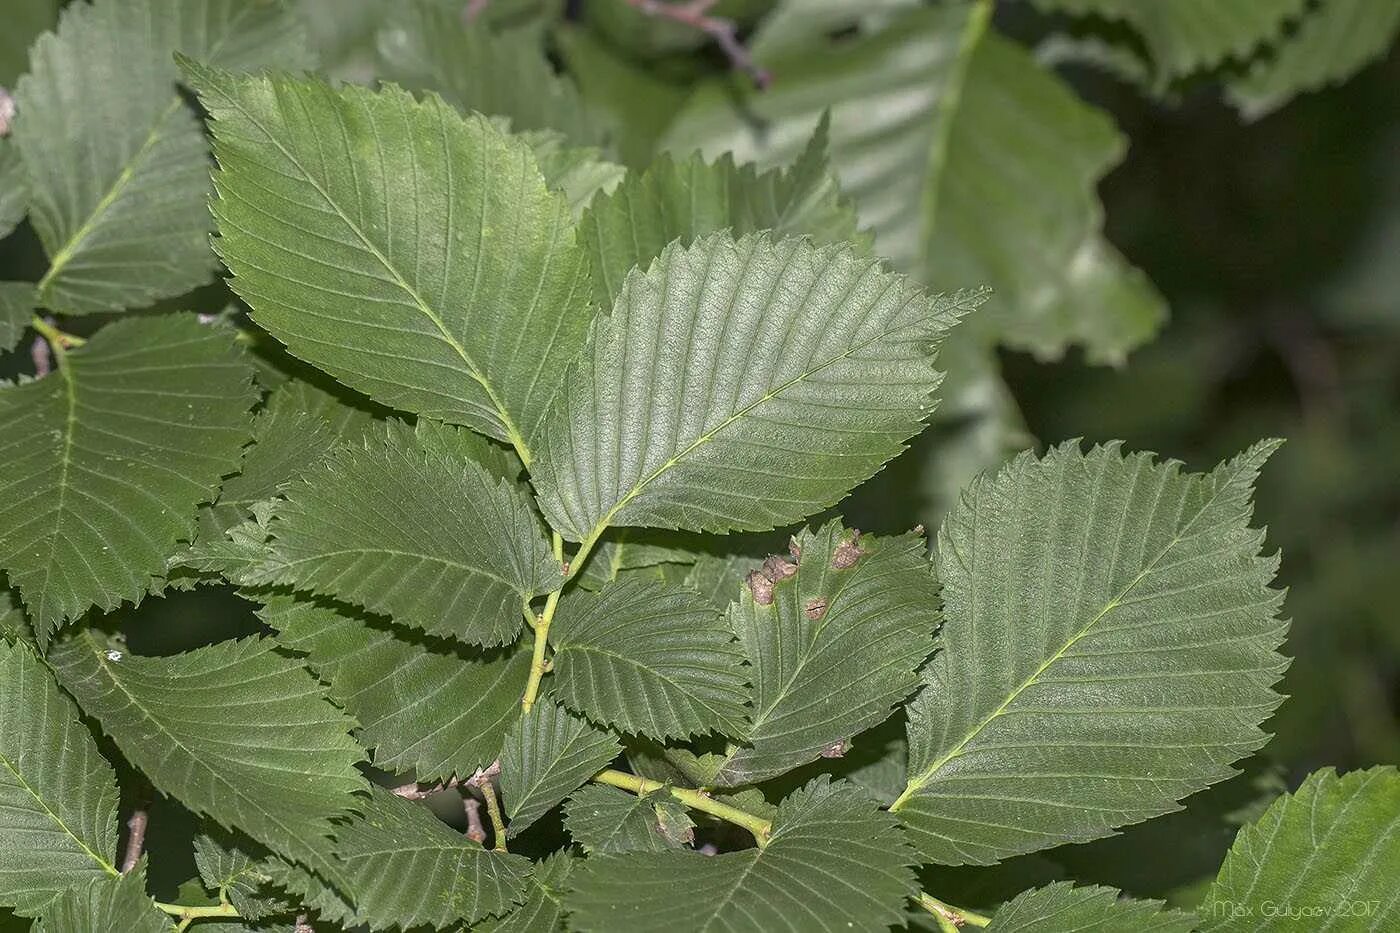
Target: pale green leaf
{"x": 542, "y": 911}
{"x": 1331, "y": 44}
{"x": 741, "y": 385}
{"x": 406, "y": 529}
{"x": 58, "y": 795}
{"x": 1109, "y": 648}
{"x": 407, "y": 868}
{"x": 104, "y": 906}
{"x": 1063, "y": 908}
{"x": 548, "y": 753}
{"x": 580, "y": 172}
{"x": 834, "y": 863}
{"x": 17, "y": 303}
{"x": 426, "y": 46}
{"x": 233, "y": 731}
{"x": 414, "y": 254}
{"x": 686, "y": 199}
{"x": 834, "y": 649}
{"x": 14, "y": 627}
{"x": 14, "y": 188}
{"x": 422, "y": 706}
{"x": 1183, "y": 36}
{"x": 107, "y": 457}
{"x": 970, "y": 163}
{"x": 117, "y": 162}
{"x": 1324, "y": 857}
{"x": 606, "y": 821}
{"x": 795, "y": 24}
{"x": 718, "y": 579}
{"x": 649, "y": 659}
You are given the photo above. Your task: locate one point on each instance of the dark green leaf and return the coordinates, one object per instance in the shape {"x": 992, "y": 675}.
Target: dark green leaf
{"x": 548, "y": 753}
{"x": 1061, "y": 908}
{"x": 606, "y": 821}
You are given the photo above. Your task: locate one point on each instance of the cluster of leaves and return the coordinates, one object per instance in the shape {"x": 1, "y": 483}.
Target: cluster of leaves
{"x": 519, "y": 545}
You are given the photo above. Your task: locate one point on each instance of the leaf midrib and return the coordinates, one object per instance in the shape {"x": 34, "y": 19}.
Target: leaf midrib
{"x": 106, "y": 866}
{"x": 914, "y": 784}
{"x": 517, "y": 440}
{"x": 709, "y": 435}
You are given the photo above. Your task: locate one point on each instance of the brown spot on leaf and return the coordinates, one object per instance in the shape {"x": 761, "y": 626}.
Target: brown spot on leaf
{"x": 815, "y": 608}
{"x": 847, "y": 552}
{"x": 837, "y": 749}
{"x": 794, "y": 548}
{"x": 761, "y": 587}
{"x": 775, "y": 568}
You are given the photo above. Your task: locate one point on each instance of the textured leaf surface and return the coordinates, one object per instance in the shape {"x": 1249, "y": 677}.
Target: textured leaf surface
{"x": 837, "y": 648}
{"x": 17, "y": 304}
{"x": 117, "y": 162}
{"x": 548, "y": 753}
{"x": 108, "y": 457}
{"x": 104, "y": 905}
{"x": 1063, "y": 908}
{"x": 14, "y": 188}
{"x": 233, "y": 731}
{"x": 228, "y": 871}
{"x": 408, "y": 868}
{"x": 421, "y": 706}
{"x": 686, "y": 199}
{"x": 972, "y": 164}
{"x": 413, "y": 254}
{"x": 406, "y": 529}
{"x": 606, "y": 821}
{"x": 649, "y": 659}
{"x": 426, "y": 47}
{"x": 1332, "y": 43}
{"x": 58, "y": 795}
{"x": 834, "y": 863}
{"x": 741, "y": 385}
{"x": 580, "y": 172}
{"x": 1109, "y": 649}
{"x": 542, "y": 911}
{"x": 1329, "y": 852}
{"x": 1188, "y": 35}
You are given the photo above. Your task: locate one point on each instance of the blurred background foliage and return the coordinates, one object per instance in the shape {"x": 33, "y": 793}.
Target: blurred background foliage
{"x": 1189, "y": 211}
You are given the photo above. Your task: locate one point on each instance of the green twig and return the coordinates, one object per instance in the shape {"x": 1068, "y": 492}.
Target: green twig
{"x": 187, "y": 913}
{"x": 760, "y": 828}
{"x": 950, "y": 917}
{"x": 58, "y": 339}
{"x": 493, "y": 810}
{"x": 539, "y": 663}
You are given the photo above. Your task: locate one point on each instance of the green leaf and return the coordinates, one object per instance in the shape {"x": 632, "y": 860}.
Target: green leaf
{"x": 17, "y": 303}
{"x": 740, "y": 385}
{"x": 548, "y": 753}
{"x": 580, "y": 172}
{"x": 427, "y": 47}
{"x": 413, "y": 254}
{"x": 1185, "y": 36}
{"x": 117, "y": 162}
{"x": 971, "y": 163}
{"x": 606, "y": 821}
{"x": 718, "y": 579}
{"x": 649, "y": 659}
{"x": 1109, "y": 649}
{"x": 105, "y": 905}
{"x": 689, "y": 198}
{"x": 234, "y": 731}
{"x": 407, "y": 868}
{"x": 58, "y": 795}
{"x": 1325, "y": 857}
{"x": 108, "y": 457}
{"x": 406, "y": 529}
{"x": 421, "y": 706}
{"x": 834, "y": 863}
{"x": 1060, "y": 907}
{"x": 1331, "y": 44}
{"x": 14, "y": 188}
{"x": 228, "y": 871}
{"x": 541, "y": 911}
{"x": 835, "y": 645}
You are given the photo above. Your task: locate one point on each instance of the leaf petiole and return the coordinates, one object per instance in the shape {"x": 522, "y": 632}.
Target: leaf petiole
{"x": 760, "y": 828}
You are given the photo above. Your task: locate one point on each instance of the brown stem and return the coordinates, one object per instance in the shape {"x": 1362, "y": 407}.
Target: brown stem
{"x": 723, "y": 32}
{"x": 413, "y": 791}
{"x": 135, "y": 839}
{"x": 476, "y": 830}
